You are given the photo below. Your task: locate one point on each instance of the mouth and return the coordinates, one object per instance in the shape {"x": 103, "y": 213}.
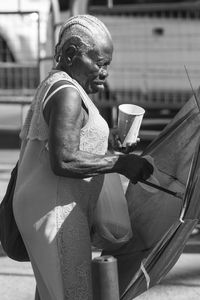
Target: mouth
{"x": 99, "y": 82}
{"x": 96, "y": 86}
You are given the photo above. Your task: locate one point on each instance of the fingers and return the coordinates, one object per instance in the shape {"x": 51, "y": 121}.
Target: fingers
{"x": 150, "y": 161}
{"x": 147, "y": 170}
{"x": 144, "y": 171}
{"x": 118, "y": 145}
{"x": 130, "y": 147}
{"x": 138, "y": 140}
{"x": 145, "y": 175}
{"x": 118, "y": 142}
{"x": 149, "y": 166}
{"x": 134, "y": 180}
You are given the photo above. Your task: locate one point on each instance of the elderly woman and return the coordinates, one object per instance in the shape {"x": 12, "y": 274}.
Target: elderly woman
{"x": 62, "y": 161}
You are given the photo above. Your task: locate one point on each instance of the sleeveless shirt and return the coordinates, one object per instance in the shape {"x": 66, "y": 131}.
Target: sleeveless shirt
{"x": 39, "y": 190}
{"x": 94, "y": 135}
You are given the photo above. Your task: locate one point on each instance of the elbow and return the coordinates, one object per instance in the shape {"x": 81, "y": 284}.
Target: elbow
{"x": 57, "y": 169}
{"x": 58, "y": 166}
{"x": 64, "y": 168}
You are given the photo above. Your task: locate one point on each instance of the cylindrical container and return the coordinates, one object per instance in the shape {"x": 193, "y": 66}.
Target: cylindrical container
{"x": 129, "y": 122}
{"x": 105, "y": 278}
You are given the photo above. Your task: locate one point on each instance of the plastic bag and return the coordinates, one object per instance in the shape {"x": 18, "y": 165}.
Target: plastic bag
{"x": 111, "y": 226}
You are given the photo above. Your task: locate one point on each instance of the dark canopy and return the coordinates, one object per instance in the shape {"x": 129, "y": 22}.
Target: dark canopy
{"x": 162, "y": 223}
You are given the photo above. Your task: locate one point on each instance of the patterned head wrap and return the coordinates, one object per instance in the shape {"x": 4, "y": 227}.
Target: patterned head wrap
{"x": 81, "y": 31}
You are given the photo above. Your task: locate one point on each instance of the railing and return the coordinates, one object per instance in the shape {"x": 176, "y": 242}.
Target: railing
{"x": 13, "y": 111}
{"x": 145, "y": 8}
{"x": 152, "y": 45}
{"x": 154, "y": 121}
{"x": 20, "y": 51}
{"x": 19, "y": 70}
{"x": 18, "y": 77}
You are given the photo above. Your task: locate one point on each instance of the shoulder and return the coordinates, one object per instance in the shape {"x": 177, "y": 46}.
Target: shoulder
{"x": 66, "y": 86}
{"x": 62, "y": 98}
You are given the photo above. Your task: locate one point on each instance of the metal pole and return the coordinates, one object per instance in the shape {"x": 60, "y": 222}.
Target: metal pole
{"x": 19, "y": 5}
{"x": 105, "y": 278}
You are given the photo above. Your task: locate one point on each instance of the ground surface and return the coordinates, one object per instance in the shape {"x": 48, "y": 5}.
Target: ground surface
{"x": 17, "y": 281}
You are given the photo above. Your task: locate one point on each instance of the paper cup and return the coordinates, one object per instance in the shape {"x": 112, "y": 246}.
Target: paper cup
{"x": 129, "y": 122}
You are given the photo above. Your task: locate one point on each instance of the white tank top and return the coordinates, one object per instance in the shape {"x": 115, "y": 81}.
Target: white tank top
{"x": 94, "y": 135}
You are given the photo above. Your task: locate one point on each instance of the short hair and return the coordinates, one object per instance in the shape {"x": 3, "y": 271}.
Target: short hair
{"x": 80, "y": 31}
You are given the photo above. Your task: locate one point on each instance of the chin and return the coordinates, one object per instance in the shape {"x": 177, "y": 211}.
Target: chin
{"x": 96, "y": 89}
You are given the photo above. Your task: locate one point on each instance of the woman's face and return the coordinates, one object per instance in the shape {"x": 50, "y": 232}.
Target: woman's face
{"x": 91, "y": 69}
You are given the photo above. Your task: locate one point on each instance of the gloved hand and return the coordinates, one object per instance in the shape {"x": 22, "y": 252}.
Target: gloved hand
{"x": 134, "y": 167}
{"x": 153, "y": 178}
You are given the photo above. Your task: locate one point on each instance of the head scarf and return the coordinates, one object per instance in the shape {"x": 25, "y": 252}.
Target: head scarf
{"x": 83, "y": 27}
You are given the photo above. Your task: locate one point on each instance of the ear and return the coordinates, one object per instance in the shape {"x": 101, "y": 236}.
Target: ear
{"x": 70, "y": 52}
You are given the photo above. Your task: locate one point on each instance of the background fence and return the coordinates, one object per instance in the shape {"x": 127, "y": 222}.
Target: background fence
{"x": 19, "y": 52}
{"x": 153, "y": 44}
{"x": 19, "y": 70}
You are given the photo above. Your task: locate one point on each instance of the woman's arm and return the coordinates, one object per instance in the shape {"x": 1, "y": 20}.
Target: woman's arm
{"x": 65, "y": 116}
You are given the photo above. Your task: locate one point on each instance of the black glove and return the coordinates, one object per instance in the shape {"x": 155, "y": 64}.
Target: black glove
{"x": 135, "y": 167}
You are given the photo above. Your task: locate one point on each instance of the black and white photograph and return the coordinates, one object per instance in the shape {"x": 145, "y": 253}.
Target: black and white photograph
{"x": 100, "y": 150}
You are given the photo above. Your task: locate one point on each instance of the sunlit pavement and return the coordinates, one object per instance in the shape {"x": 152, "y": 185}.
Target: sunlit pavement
{"x": 17, "y": 281}
{"x": 182, "y": 283}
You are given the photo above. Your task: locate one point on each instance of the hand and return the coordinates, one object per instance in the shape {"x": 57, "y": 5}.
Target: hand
{"x": 115, "y": 144}
{"x": 135, "y": 167}
{"x": 129, "y": 147}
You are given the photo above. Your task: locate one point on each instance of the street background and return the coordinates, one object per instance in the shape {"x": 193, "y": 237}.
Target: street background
{"x": 17, "y": 280}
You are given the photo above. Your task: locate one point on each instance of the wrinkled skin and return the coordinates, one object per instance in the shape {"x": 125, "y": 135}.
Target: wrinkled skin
{"x": 91, "y": 69}
{"x": 66, "y": 115}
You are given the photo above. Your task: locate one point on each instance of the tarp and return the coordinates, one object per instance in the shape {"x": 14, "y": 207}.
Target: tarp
{"x": 162, "y": 223}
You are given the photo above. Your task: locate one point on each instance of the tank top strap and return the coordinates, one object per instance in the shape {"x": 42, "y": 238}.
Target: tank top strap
{"x": 35, "y": 126}
{"x": 85, "y": 98}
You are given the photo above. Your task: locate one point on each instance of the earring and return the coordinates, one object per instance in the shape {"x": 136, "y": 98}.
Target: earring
{"x": 68, "y": 61}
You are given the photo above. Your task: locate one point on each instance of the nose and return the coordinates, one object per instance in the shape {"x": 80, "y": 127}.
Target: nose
{"x": 103, "y": 74}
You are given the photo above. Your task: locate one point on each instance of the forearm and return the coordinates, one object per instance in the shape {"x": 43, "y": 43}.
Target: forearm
{"x": 68, "y": 160}
{"x": 83, "y": 164}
